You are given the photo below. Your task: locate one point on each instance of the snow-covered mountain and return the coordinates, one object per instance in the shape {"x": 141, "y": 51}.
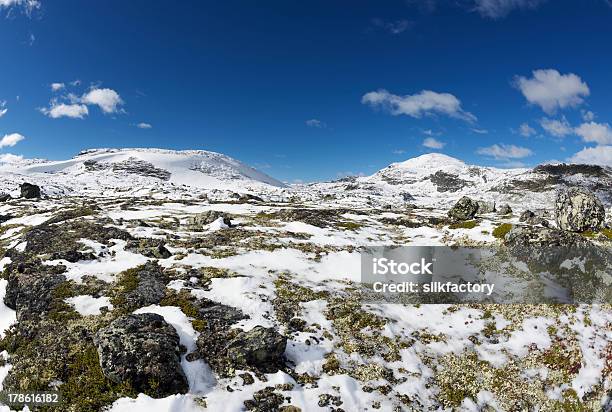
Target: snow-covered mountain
{"x": 137, "y": 171}
{"x": 439, "y": 180}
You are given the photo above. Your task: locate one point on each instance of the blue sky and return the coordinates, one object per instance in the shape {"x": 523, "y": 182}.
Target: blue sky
{"x": 310, "y": 90}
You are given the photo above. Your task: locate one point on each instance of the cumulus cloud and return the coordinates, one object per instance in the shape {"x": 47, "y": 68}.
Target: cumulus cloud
{"x": 57, "y": 86}
{"x": 10, "y": 140}
{"x": 505, "y": 152}
{"x": 425, "y": 103}
{"x": 143, "y": 125}
{"x": 10, "y": 158}
{"x": 107, "y": 99}
{"x": 496, "y": 9}
{"x": 432, "y": 143}
{"x": 552, "y": 90}
{"x": 315, "y": 123}
{"x": 73, "y": 111}
{"x": 600, "y": 133}
{"x": 393, "y": 27}
{"x": 557, "y": 128}
{"x": 525, "y": 130}
{"x": 599, "y": 155}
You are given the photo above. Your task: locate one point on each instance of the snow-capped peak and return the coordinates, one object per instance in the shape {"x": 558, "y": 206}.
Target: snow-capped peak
{"x": 429, "y": 161}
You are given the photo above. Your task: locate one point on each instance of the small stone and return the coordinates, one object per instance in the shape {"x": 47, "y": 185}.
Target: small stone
{"x": 504, "y": 210}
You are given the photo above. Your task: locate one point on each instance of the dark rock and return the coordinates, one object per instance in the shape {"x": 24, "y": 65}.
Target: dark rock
{"x": 130, "y": 166}
{"x": 152, "y": 248}
{"x": 578, "y": 209}
{"x": 464, "y": 209}
{"x": 446, "y": 182}
{"x": 72, "y": 256}
{"x": 265, "y": 400}
{"x": 30, "y": 191}
{"x": 143, "y": 351}
{"x": 150, "y": 289}
{"x": 246, "y": 197}
{"x": 526, "y": 216}
{"x": 5, "y": 197}
{"x": 260, "y": 349}
{"x": 504, "y": 210}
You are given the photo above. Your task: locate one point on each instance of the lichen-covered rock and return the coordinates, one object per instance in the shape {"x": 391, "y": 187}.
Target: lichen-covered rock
{"x": 259, "y": 349}
{"x": 577, "y": 209}
{"x": 30, "y": 191}
{"x": 464, "y": 209}
{"x": 153, "y": 248}
{"x": 532, "y": 218}
{"x": 141, "y": 286}
{"x": 143, "y": 351}
{"x": 5, "y": 197}
{"x": 30, "y": 292}
{"x": 485, "y": 207}
{"x": 504, "y": 210}
{"x": 205, "y": 218}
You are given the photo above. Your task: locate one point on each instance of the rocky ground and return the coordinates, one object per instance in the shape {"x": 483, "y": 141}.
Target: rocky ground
{"x": 244, "y": 304}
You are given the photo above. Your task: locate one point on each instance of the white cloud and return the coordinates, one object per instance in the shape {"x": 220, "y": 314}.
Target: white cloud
{"x": 480, "y": 131}
{"x": 552, "y": 90}
{"x": 557, "y": 128}
{"x": 426, "y": 102}
{"x": 496, "y": 9}
{"x": 599, "y": 155}
{"x": 73, "y": 111}
{"x": 57, "y": 86}
{"x": 3, "y": 109}
{"x": 315, "y": 123}
{"x": 28, "y": 5}
{"x": 393, "y": 27}
{"x": 526, "y": 131}
{"x": 600, "y": 133}
{"x": 10, "y": 158}
{"x": 399, "y": 151}
{"x": 107, "y": 99}
{"x": 144, "y": 125}
{"x": 587, "y": 115}
{"x": 11, "y": 140}
{"x": 503, "y": 151}
{"x": 432, "y": 143}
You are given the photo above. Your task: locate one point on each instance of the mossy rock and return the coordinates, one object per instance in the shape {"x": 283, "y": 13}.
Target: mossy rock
{"x": 500, "y": 231}
{"x": 468, "y": 224}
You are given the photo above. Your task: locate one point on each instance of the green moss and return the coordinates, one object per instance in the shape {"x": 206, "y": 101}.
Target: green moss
{"x": 185, "y": 300}
{"x": 86, "y": 388}
{"x": 607, "y": 233}
{"x": 500, "y": 231}
{"x": 127, "y": 281}
{"x": 468, "y": 224}
{"x": 349, "y": 225}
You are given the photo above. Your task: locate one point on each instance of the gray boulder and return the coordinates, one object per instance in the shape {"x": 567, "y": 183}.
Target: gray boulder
{"x": 504, "y": 210}
{"x": 205, "y": 218}
{"x": 5, "y": 197}
{"x": 30, "y": 191}
{"x": 143, "y": 351}
{"x": 150, "y": 285}
{"x": 485, "y": 207}
{"x": 464, "y": 209}
{"x": 578, "y": 209}
{"x": 532, "y": 218}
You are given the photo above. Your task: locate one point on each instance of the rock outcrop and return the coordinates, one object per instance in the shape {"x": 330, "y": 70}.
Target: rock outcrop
{"x": 577, "y": 209}
{"x": 143, "y": 351}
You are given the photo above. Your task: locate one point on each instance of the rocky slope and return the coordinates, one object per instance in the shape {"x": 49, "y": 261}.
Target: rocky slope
{"x": 140, "y": 303}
